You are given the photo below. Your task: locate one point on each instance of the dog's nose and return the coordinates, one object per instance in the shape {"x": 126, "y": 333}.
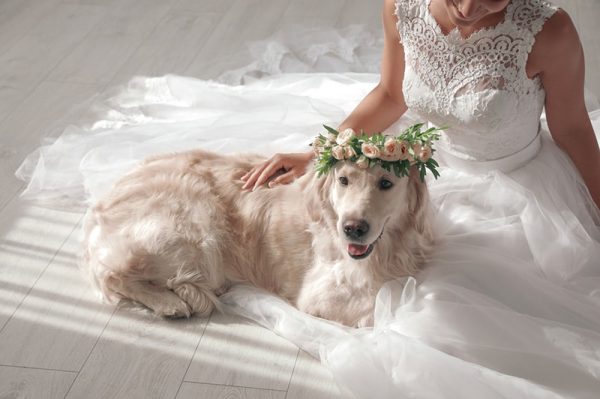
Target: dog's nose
{"x": 356, "y": 228}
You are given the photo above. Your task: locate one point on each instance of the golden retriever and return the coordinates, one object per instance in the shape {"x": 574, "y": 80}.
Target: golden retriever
{"x": 178, "y": 230}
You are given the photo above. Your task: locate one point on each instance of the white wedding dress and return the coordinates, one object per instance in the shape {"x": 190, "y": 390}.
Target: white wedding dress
{"x": 509, "y": 304}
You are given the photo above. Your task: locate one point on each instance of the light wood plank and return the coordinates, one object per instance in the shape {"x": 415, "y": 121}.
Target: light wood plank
{"x": 139, "y": 356}
{"x": 10, "y": 97}
{"x": 44, "y": 113}
{"x": 587, "y": 24}
{"x": 30, "y": 60}
{"x": 235, "y": 352}
{"x": 21, "y": 17}
{"x": 108, "y": 46}
{"x": 171, "y": 47}
{"x": 61, "y": 318}
{"x": 18, "y": 382}
{"x": 226, "y": 47}
{"x": 312, "y": 380}
{"x": 30, "y": 237}
{"x": 194, "y": 391}
{"x": 27, "y": 63}
{"x": 367, "y": 13}
{"x": 303, "y": 12}
{"x": 204, "y": 6}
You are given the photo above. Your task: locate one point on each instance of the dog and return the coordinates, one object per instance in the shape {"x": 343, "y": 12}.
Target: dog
{"x": 178, "y": 231}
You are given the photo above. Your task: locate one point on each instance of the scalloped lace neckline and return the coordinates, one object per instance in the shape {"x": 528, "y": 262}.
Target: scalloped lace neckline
{"x": 455, "y": 35}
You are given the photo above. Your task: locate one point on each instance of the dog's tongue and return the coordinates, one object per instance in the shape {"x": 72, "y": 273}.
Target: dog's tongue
{"x": 357, "y": 250}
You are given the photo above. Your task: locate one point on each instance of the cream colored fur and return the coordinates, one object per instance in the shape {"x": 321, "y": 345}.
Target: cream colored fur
{"x": 178, "y": 230}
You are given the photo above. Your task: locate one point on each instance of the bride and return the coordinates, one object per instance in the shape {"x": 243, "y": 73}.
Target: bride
{"x": 509, "y": 304}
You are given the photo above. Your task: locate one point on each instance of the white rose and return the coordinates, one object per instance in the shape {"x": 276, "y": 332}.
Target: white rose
{"x": 338, "y": 152}
{"x": 331, "y": 138}
{"x": 362, "y": 162}
{"x": 316, "y": 145}
{"x": 370, "y": 150}
{"x": 344, "y": 137}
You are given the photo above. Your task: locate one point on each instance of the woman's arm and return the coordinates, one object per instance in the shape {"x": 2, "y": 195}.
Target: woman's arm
{"x": 558, "y": 56}
{"x": 375, "y": 113}
{"x": 385, "y": 104}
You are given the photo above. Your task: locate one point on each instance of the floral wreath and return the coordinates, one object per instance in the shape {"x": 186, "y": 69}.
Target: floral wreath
{"x": 412, "y": 147}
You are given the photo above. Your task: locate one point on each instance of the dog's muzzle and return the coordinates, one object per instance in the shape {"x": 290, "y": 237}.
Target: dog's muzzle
{"x": 357, "y": 230}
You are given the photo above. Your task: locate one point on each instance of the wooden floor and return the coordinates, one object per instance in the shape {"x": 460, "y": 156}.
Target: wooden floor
{"x": 56, "y": 339}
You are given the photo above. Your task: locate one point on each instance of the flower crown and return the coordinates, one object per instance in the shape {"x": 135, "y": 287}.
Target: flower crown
{"x": 411, "y": 148}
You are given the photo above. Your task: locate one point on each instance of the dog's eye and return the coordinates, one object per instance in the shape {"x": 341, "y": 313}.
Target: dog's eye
{"x": 385, "y": 184}
{"x": 343, "y": 180}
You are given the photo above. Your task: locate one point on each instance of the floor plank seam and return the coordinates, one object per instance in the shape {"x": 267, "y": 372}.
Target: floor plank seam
{"x": 44, "y": 77}
{"x": 91, "y": 351}
{"x": 192, "y": 357}
{"x": 233, "y": 386}
{"x": 292, "y": 373}
{"x": 38, "y": 368}
{"x": 75, "y": 45}
{"x": 78, "y": 224}
{"x": 111, "y": 82}
{"x": 14, "y": 196}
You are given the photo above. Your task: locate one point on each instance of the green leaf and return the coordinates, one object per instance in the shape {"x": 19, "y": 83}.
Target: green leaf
{"x": 331, "y": 130}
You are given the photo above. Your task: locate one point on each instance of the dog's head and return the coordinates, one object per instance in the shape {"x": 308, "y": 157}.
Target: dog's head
{"x": 361, "y": 204}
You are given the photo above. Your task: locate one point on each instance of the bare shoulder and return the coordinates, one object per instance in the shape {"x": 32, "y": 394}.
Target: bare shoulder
{"x": 389, "y": 15}
{"x": 557, "y": 42}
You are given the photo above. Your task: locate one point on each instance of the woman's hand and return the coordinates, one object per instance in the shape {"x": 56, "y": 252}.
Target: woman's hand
{"x": 293, "y": 165}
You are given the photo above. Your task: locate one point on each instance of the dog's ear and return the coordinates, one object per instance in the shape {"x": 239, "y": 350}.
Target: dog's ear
{"x": 316, "y": 196}
{"x": 418, "y": 201}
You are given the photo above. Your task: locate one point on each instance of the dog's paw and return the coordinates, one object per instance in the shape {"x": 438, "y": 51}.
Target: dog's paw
{"x": 199, "y": 301}
{"x": 173, "y": 308}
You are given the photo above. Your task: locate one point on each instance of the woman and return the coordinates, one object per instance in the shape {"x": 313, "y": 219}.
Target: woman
{"x": 556, "y": 58}
{"x": 509, "y": 305}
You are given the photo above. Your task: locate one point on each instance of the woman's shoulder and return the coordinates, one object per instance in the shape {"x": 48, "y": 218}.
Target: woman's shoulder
{"x": 405, "y": 7}
{"x": 557, "y": 39}
{"x": 557, "y": 34}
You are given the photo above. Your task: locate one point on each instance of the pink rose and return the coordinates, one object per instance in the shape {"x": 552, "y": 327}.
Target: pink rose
{"x": 391, "y": 149}
{"x": 425, "y": 154}
{"x": 416, "y": 149}
{"x": 404, "y": 154}
{"x": 338, "y": 152}
{"x": 362, "y": 162}
{"x": 349, "y": 152}
{"x": 370, "y": 150}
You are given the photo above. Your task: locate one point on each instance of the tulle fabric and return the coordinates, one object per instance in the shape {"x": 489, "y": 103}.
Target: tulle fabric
{"x": 508, "y": 305}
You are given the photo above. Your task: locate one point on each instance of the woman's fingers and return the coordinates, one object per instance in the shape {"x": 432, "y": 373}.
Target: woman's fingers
{"x": 266, "y": 173}
{"x": 253, "y": 174}
{"x": 285, "y": 178}
{"x": 261, "y": 173}
{"x": 293, "y": 166}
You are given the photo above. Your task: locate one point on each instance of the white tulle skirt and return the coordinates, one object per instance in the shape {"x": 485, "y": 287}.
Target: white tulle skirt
{"x": 507, "y": 307}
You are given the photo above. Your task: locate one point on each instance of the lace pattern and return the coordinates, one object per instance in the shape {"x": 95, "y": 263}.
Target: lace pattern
{"x": 444, "y": 72}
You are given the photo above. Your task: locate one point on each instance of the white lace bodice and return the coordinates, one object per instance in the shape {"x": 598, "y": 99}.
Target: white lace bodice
{"x": 477, "y": 86}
